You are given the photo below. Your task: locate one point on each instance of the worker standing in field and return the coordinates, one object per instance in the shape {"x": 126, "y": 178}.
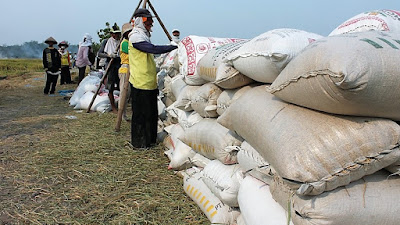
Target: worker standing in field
{"x": 143, "y": 79}
{"x": 111, "y": 49}
{"x": 85, "y": 56}
{"x": 52, "y": 65}
{"x": 123, "y": 70}
{"x": 65, "y": 63}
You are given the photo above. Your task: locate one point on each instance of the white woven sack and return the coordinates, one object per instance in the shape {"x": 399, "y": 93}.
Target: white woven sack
{"x": 169, "y": 63}
{"x": 249, "y": 158}
{"x": 215, "y": 210}
{"x": 81, "y": 89}
{"x": 264, "y": 57}
{"x": 209, "y": 63}
{"x": 394, "y": 168}
{"x": 178, "y": 152}
{"x": 184, "y": 99}
{"x": 257, "y": 205}
{"x": 213, "y": 141}
{"x": 317, "y": 151}
{"x": 177, "y": 85}
{"x": 368, "y": 201}
{"x": 227, "y": 97}
{"x": 191, "y": 49}
{"x": 100, "y": 104}
{"x": 185, "y": 119}
{"x": 351, "y": 74}
{"x": 223, "y": 181}
{"x": 382, "y": 20}
{"x": 230, "y": 78}
{"x": 204, "y": 100}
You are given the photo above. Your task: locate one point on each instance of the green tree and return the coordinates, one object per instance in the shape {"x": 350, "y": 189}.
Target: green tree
{"x": 105, "y": 33}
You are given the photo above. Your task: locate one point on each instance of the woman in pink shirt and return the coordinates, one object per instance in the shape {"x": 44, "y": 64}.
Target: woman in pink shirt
{"x": 83, "y": 58}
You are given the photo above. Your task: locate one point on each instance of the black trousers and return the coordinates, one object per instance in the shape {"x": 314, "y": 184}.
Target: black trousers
{"x": 51, "y": 82}
{"x": 81, "y": 73}
{"x": 144, "y": 117}
{"x": 65, "y": 75}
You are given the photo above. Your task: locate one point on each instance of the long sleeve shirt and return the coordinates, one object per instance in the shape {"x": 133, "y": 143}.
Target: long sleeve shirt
{"x": 82, "y": 58}
{"x": 148, "y": 47}
{"x": 51, "y": 59}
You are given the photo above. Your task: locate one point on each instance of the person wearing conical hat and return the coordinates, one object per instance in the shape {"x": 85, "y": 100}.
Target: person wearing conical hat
{"x": 65, "y": 63}
{"x": 123, "y": 70}
{"x": 52, "y": 65}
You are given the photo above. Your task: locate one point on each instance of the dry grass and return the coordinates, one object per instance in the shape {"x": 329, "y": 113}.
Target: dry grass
{"x": 55, "y": 170}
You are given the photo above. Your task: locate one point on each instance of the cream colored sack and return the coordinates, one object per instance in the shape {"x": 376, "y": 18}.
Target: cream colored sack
{"x": 354, "y": 74}
{"x": 264, "y": 57}
{"x": 369, "y": 201}
{"x": 212, "y": 140}
{"x": 227, "y": 97}
{"x": 317, "y": 151}
{"x": 204, "y": 100}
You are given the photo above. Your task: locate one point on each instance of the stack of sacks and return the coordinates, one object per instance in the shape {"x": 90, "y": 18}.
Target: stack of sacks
{"x": 84, "y": 93}
{"x": 193, "y": 98}
{"x": 325, "y": 162}
{"x": 382, "y": 20}
{"x": 312, "y": 151}
{"x": 351, "y": 74}
{"x": 263, "y": 57}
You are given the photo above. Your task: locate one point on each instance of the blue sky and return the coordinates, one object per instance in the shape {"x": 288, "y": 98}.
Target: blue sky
{"x": 27, "y": 20}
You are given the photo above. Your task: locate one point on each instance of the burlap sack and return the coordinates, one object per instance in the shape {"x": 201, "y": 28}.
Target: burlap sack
{"x": 318, "y": 151}
{"x": 354, "y": 74}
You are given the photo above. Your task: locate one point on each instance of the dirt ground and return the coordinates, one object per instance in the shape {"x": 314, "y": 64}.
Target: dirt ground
{"x": 55, "y": 170}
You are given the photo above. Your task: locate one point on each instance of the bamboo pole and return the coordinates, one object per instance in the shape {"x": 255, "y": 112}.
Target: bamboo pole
{"x": 144, "y": 4}
{"x": 122, "y": 101}
{"x": 159, "y": 20}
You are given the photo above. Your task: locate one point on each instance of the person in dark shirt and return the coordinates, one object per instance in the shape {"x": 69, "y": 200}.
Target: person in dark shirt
{"x": 52, "y": 65}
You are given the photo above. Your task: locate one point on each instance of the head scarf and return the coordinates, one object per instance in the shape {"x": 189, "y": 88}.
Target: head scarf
{"x": 139, "y": 32}
{"x": 87, "y": 40}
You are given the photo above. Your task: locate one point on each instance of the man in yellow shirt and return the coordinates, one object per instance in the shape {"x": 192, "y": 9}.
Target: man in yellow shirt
{"x": 143, "y": 79}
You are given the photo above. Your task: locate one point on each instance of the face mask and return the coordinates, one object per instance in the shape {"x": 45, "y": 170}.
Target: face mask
{"x": 175, "y": 39}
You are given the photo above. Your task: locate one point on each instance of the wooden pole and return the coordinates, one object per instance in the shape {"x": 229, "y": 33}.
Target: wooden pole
{"x": 144, "y": 4}
{"x": 122, "y": 101}
{"x": 159, "y": 20}
{"x": 140, "y": 1}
